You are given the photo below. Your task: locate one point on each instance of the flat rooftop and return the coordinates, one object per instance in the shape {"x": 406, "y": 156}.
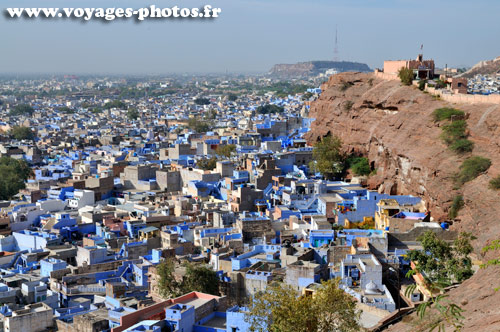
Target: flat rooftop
{"x": 195, "y": 301}
{"x": 216, "y": 322}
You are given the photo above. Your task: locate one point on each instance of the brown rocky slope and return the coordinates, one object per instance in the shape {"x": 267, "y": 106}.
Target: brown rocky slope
{"x": 489, "y": 67}
{"x": 392, "y": 125}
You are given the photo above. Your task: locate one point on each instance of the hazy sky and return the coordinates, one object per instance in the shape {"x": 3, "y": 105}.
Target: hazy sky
{"x": 250, "y": 35}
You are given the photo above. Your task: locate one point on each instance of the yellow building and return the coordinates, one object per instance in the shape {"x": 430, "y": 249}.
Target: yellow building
{"x": 393, "y": 217}
{"x": 148, "y": 233}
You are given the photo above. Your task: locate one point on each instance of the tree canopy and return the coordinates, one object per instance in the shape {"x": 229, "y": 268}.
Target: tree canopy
{"x": 442, "y": 262}
{"x": 66, "y": 110}
{"x": 198, "y": 278}
{"x": 280, "y": 308}
{"x": 270, "y": 108}
{"x": 226, "y": 150}
{"x": 207, "y": 164}
{"x": 202, "y": 101}
{"x": 22, "y": 109}
{"x": 21, "y": 133}
{"x": 328, "y": 157}
{"x": 406, "y": 75}
{"x": 132, "y": 113}
{"x": 14, "y": 173}
{"x": 200, "y": 126}
{"x": 359, "y": 165}
{"x": 115, "y": 104}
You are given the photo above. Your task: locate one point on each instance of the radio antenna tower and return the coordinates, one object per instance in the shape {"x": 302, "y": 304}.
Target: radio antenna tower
{"x": 336, "y": 48}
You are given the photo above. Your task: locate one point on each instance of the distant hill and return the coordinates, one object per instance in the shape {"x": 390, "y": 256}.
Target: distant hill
{"x": 314, "y": 68}
{"x": 489, "y": 67}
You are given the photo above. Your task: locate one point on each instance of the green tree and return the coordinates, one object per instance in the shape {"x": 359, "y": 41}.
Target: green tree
{"x": 226, "y": 150}
{"x": 447, "y": 113}
{"x": 115, "y": 104}
{"x": 132, "y": 113}
{"x": 269, "y": 109}
{"x": 456, "y": 206}
{"x": 66, "y": 110}
{"x": 232, "y": 97}
{"x": 442, "y": 263}
{"x": 493, "y": 246}
{"x": 406, "y": 75}
{"x": 461, "y": 146}
{"x": 454, "y": 131}
{"x": 495, "y": 183}
{"x": 14, "y": 174}
{"x": 471, "y": 168}
{"x": 200, "y": 278}
{"x": 280, "y": 308}
{"x": 328, "y": 157}
{"x": 207, "y": 164}
{"x": 202, "y": 101}
{"x": 167, "y": 285}
{"x": 200, "y": 126}
{"x": 421, "y": 85}
{"x": 20, "y": 133}
{"x": 359, "y": 165}
{"x": 22, "y": 109}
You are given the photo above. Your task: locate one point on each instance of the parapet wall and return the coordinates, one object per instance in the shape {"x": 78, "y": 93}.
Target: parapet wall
{"x": 386, "y": 76}
{"x": 465, "y": 98}
{"x": 449, "y": 97}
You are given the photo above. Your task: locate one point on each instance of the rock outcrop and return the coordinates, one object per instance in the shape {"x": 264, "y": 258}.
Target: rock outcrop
{"x": 392, "y": 125}
{"x": 314, "y": 68}
{"x": 488, "y": 67}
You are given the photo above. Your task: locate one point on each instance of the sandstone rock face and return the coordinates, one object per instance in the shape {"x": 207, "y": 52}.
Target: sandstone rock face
{"x": 392, "y": 125}
{"x": 489, "y": 67}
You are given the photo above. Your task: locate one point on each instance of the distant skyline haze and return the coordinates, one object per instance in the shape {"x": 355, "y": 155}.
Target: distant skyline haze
{"x": 250, "y": 36}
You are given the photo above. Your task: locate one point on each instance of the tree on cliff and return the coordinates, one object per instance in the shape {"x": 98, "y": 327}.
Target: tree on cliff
{"x": 328, "y": 157}
{"x": 359, "y": 165}
{"x": 441, "y": 262}
{"x": 406, "y": 75}
{"x": 280, "y": 308}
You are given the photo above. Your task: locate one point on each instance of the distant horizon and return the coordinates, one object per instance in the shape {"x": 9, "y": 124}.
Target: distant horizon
{"x": 194, "y": 73}
{"x": 249, "y": 37}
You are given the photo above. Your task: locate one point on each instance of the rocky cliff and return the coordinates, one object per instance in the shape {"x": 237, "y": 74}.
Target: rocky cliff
{"x": 392, "y": 125}
{"x": 488, "y": 67}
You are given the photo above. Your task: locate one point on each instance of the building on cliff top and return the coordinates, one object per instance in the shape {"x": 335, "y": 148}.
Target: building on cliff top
{"x": 423, "y": 69}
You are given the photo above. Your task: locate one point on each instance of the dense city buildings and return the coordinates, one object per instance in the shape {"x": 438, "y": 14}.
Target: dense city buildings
{"x": 128, "y": 178}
